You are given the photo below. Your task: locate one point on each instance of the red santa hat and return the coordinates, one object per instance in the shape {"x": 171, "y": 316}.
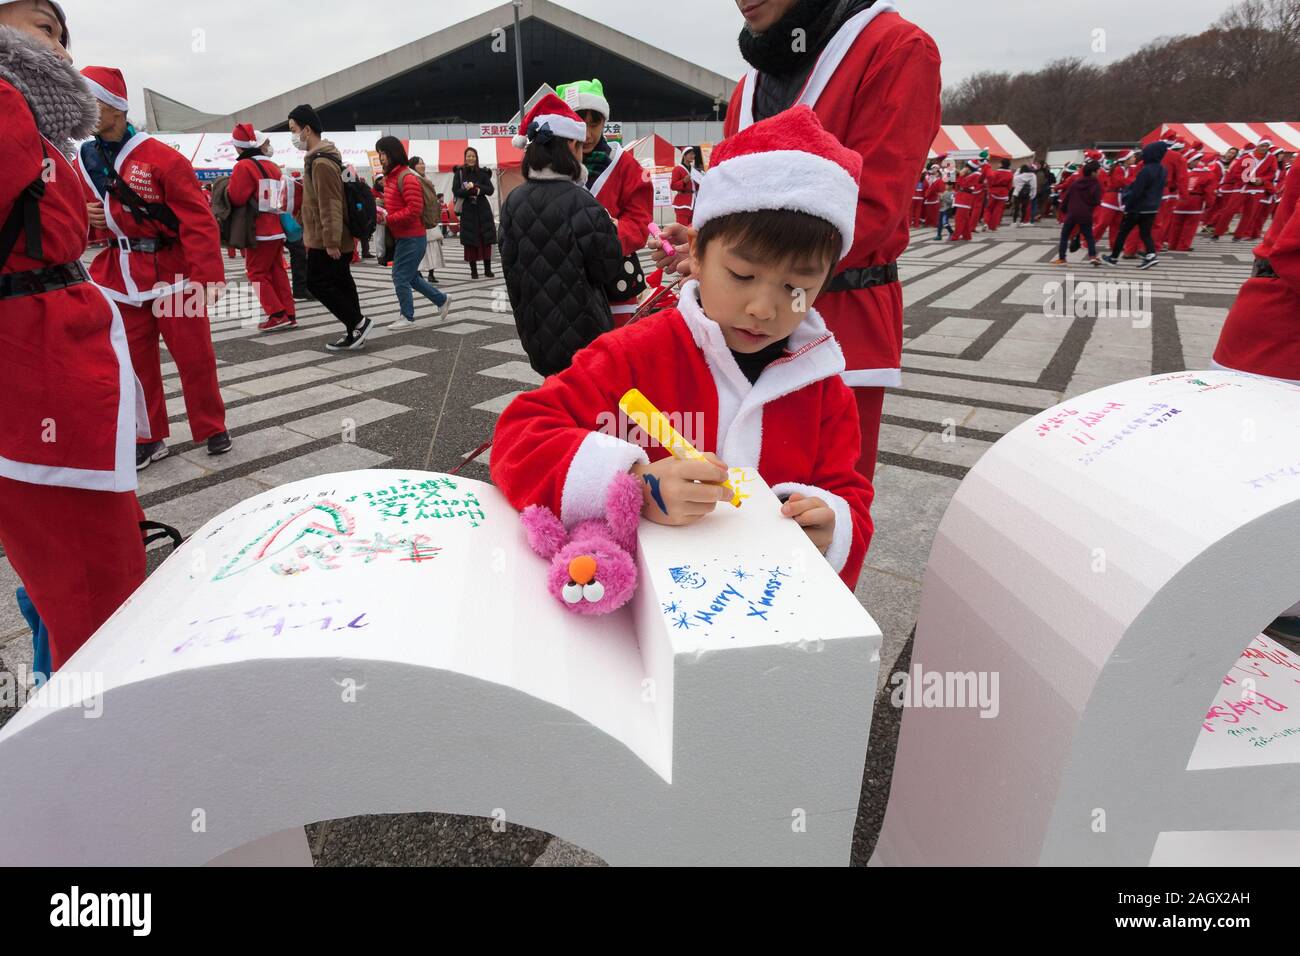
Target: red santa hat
{"x": 107, "y": 85}
{"x": 1125, "y": 156}
{"x": 787, "y": 161}
{"x": 245, "y": 137}
{"x": 553, "y": 114}
{"x": 1094, "y": 154}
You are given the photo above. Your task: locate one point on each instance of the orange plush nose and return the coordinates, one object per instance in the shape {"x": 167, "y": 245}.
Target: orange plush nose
{"x": 582, "y": 570}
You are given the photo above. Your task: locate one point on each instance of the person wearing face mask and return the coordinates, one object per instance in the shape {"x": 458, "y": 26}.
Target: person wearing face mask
{"x": 872, "y": 78}
{"x": 163, "y": 265}
{"x": 259, "y": 183}
{"x": 69, "y": 519}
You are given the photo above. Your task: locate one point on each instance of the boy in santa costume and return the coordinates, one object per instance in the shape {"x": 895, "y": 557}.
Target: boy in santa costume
{"x": 258, "y": 182}
{"x": 163, "y": 264}
{"x": 1261, "y": 335}
{"x": 69, "y": 520}
{"x": 873, "y": 79}
{"x": 619, "y": 182}
{"x": 744, "y": 349}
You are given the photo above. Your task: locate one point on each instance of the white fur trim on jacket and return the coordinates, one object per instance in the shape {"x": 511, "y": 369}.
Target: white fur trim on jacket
{"x": 873, "y": 378}
{"x": 837, "y": 555}
{"x": 781, "y": 179}
{"x": 599, "y": 459}
{"x": 814, "y": 356}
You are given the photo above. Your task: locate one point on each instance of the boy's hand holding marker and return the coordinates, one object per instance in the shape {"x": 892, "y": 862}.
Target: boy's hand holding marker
{"x": 679, "y": 492}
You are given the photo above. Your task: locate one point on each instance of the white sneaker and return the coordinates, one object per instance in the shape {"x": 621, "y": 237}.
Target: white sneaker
{"x": 400, "y": 324}
{"x": 446, "y": 307}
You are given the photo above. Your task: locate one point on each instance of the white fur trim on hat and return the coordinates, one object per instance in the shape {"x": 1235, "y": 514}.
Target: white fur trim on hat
{"x": 258, "y": 140}
{"x": 781, "y": 179}
{"x": 104, "y": 96}
{"x": 563, "y": 126}
{"x": 587, "y": 101}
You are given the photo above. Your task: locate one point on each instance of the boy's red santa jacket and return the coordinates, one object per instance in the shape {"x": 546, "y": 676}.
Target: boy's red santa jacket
{"x": 70, "y": 399}
{"x": 1262, "y": 331}
{"x": 797, "y": 426}
{"x": 876, "y": 89}
{"x": 245, "y": 186}
{"x": 157, "y": 173}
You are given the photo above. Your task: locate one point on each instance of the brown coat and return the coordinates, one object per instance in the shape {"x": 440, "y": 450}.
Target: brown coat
{"x": 324, "y": 224}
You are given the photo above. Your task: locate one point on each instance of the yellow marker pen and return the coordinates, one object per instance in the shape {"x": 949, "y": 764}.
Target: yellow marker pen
{"x": 652, "y": 421}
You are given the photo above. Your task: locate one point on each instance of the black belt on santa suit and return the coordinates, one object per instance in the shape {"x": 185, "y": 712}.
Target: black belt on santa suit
{"x": 15, "y": 285}
{"x": 1263, "y": 270}
{"x": 864, "y": 278}
{"x": 144, "y": 245}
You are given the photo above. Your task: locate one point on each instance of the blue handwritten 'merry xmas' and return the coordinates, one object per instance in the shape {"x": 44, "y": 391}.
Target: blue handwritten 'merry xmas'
{"x": 724, "y": 601}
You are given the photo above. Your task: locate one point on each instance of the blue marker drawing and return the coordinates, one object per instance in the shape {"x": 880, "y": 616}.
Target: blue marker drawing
{"x": 655, "y": 492}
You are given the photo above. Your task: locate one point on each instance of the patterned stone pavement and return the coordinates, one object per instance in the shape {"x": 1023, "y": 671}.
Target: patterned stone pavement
{"x": 987, "y": 345}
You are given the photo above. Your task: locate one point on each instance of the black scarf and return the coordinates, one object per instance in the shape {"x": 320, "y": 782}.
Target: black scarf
{"x": 784, "y": 69}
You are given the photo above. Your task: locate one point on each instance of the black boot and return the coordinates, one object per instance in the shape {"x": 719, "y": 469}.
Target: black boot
{"x": 487, "y": 269}
{"x": 473, "y": 270}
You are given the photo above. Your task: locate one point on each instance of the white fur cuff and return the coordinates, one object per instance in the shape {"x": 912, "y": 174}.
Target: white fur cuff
{"x": 837, "y": 555}
{"x": 599, "y": 459}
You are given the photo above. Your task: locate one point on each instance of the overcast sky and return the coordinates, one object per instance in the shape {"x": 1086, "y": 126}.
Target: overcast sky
{"x": 257, "y": 49}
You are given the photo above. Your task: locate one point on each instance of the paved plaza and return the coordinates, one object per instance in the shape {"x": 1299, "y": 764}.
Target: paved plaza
{"x": 982, "y": 354}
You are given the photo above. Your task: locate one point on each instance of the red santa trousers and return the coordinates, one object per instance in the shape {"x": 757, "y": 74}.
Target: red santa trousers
{"x": 993, "y": 213}
{"x": 1232, "y": 203}
{"x": 189, "y": 340}
{"x": 264, "y": 264}
{"x": 964, "y": 224}
{"x": 1183, "y": 231}
{"x": 917, "y": 209}
{"x": 859, "y": 320}
{"x": 1250, "y": 210}
{"x": 931, "y": 217}
{"x": 78, "y": 553}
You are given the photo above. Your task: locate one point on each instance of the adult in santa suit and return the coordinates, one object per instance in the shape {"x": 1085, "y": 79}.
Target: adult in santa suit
{"x": 1256, "y": 180}
{"x": 619, "y": 183}
{"x": 934, "y": 190}
{"x": 1267, "y": 202}
{"x": 918, "y": 203}
{"x": 1262, "y": 332}
{"x": 259, "y": 182}
{"x": 1201, "y": 179}
{"x": 686, "y": 181}
{"x": 872, "y": 78}
{"x": 1222, "y": 164}
{"x": 162, "y": 266}
{"x": 69, "y": 519}
{"x": 965, "y": 201}
{"x": 1233, "y": 189}
{"x": 999, "y": 186}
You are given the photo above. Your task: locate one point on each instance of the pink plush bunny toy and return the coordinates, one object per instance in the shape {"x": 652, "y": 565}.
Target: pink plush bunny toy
{"x": 593, "y": 567}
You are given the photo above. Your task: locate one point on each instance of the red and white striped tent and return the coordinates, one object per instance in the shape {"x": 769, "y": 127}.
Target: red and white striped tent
{"x": 654, "y": 150}
{"x": 1221, "y": 137}
{"x": 443, "y": 155}
{"x": 964, "y": 142}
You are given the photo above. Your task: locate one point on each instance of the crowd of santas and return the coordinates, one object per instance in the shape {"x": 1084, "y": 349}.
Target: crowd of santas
{"x": 1205, "y": 191}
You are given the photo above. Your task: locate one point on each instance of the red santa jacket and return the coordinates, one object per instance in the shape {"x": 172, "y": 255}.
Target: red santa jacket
{"x": 247, "y": 185}
{"x": 1232, "y": 179}
{"x": 934, "y": 189}
{"x": 684, "y": 188}
{"x": 1176, "y": 175}
{"x": 968, "y": 188}
{"x": 158, "y": 174}
{"x": 70, "y": 400}
{"x": 1257, "y": 178}
{"x": 629, "y": 196}
{"x": 999, "y": 184}
{"x": 1262, "y": 332}
{"x": 1112, "y": 183}
{"x": 875, "y": 87}
{"x": 1200, "y": 192}
{"x": 797, "y": 426}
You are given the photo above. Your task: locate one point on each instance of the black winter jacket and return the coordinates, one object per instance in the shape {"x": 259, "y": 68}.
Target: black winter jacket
{"x": 1148, "y": 189}
{"x": 477, "y": 227}
{"x": 562, "y": 257}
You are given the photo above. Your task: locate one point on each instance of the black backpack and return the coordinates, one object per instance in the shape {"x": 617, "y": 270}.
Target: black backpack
{"x": 358, "y": 201}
